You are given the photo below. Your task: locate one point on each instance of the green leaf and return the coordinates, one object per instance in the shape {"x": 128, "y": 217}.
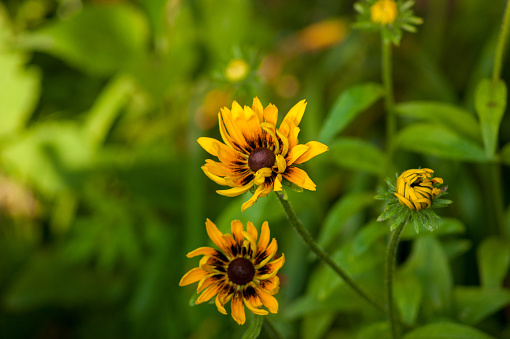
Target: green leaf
{"x": 505, "y": 154}
{"x": 408, "y": 295}
{"x": 358, "y": 155}
{"x": 446, "y": 330}
{"x": 118, "y": 38}
{"x": 346, "y": 207}
{"x": 493, "y": 260}
{"x": 380, "y": 330}
{"x": 447, "y": 115}
{"x": 253, "y": 330}
{"x": 19, "y": 90}
{"x": 474, "y": 304}
{"x": 429, "y": 264}
{"x": 439, "y": 141}
{"x": 53, "y": 156}
{"x": 367, "y": 236}
{"x": 490, "y": 103}
{"x": 447, "y": 226}
{"x": 349, "y": 104}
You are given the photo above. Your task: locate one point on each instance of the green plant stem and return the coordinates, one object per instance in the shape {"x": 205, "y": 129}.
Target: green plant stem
{"x": 326, "y": 258}
{"x": 500, "y": 48}
{"x": 391, "y": 122}
{"x": 390, "y": 269}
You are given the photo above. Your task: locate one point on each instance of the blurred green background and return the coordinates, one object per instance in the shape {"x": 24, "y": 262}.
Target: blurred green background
{"x": 101, "y": 191}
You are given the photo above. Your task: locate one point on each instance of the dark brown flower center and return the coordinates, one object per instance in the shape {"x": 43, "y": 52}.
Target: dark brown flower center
{"x": 261, "y": 157}
{"x": 241, "y": 271}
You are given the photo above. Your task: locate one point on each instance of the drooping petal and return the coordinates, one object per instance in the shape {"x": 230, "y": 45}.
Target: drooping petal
{"x": 215, "y": 178}
{"x": 253, "y": 198}
{"x": 192, "y": 276}
{"x": 315, "y": 148}
{"x": 300, "y": 178}
{"x": 268, "y": 300}
{"x": 233, "y": 192}
{"x": 237, "y": 308}
{"x": 252, "y": 300}
{"x": 278, "y": 183}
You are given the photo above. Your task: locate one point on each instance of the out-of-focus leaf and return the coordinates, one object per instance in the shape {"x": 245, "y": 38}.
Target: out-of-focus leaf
{"x": 19, "y": 90}
{"x": 379, "y": 330}
{"x": 316, "y": 326}
{"x": 53, "y": 156}
{"x": 454, "y": 248}
{"x": 448, "y": 115}
{"x": 446, "y": 226}
{"x": 367, "y": 236}
{"x": 408, "y": 295}
{"x": 40, "y": 283}
{"x": 254, "y": 327}
{"x": 429, "y": 264}
{"x": 445, "y": 330}
{"x": 490, "y": 103}
{"x": 358, "y": 155}
{"x": 475, "y": 304}
{"x": 439, "y": 141}
{"x": 493, "y": 261}
{"x": 343, "y": 209}
{"x": 505, "y": 154}
{"x": 98, "y": 39}
{"x": 349, "y": 104}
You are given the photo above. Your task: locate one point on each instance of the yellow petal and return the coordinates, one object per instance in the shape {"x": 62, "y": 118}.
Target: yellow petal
{"x": 264, "y": 237}
{"x": 315, "y": 148}
{"x": 210, "y": 145}
{"x": 207, "y": 294}
{"x": 252, "y": 308}
{"x": 296, "y": 113}
{"x": 278, "y": 183}
{"x": 201, "y": 251}
{"x": 268, "y": 254}
{"x": 249, "y": 240}
{"x": 300, "y": 178}
{"x": 233, "y": 192}
{"x": 215, "y": 234}
{"x": 237, "y": 308}
{"x": 219, "y": 305}
{"x": 297, "y": 152}
{"x": 236, "y": 227}
{"x": 258, "y": 108}
{"x": 192, "y": 276}
{"x": 404, "y": 201}
{"x": 215, "y": 178}
{"x": 253, "y": 198}
{"x": 271, "y": 114}
{"x": 268, "y": 300}
{"x": 252, "y": 230}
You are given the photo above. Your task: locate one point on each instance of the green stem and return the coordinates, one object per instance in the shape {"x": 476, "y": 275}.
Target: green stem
{"x": 391, "y": 122}
{"x": 271, "y": 329}
{"x": 500, "y": 48}
{"x": 326, "y": 258}
{"x": 390, "y": 269}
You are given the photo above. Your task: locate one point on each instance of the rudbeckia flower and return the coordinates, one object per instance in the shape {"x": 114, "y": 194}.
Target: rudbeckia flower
{"x": 415, "y": 188}
{"x": 241, "y": 271}
{"x": 384, "y": 12}
{"x": 256, "y": 154}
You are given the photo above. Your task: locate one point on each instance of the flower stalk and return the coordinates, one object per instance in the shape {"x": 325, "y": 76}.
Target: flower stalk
{"x": 326, "y": 258}
{"x": 390, "y": 270}
{"x": 389, "y": 101}
{"x": 500, "y": 49}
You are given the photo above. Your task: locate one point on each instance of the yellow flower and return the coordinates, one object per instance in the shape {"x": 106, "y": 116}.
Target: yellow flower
{"x": 384, "y": 12}
{"x": 241, "y": 271}
{"x": 237, "y": 70}
{"x": 257, "y": 154}
{"x": 415, "y": 188}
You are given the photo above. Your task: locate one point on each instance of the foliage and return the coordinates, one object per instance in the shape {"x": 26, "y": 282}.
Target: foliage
{"x": 102, "y": 195}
